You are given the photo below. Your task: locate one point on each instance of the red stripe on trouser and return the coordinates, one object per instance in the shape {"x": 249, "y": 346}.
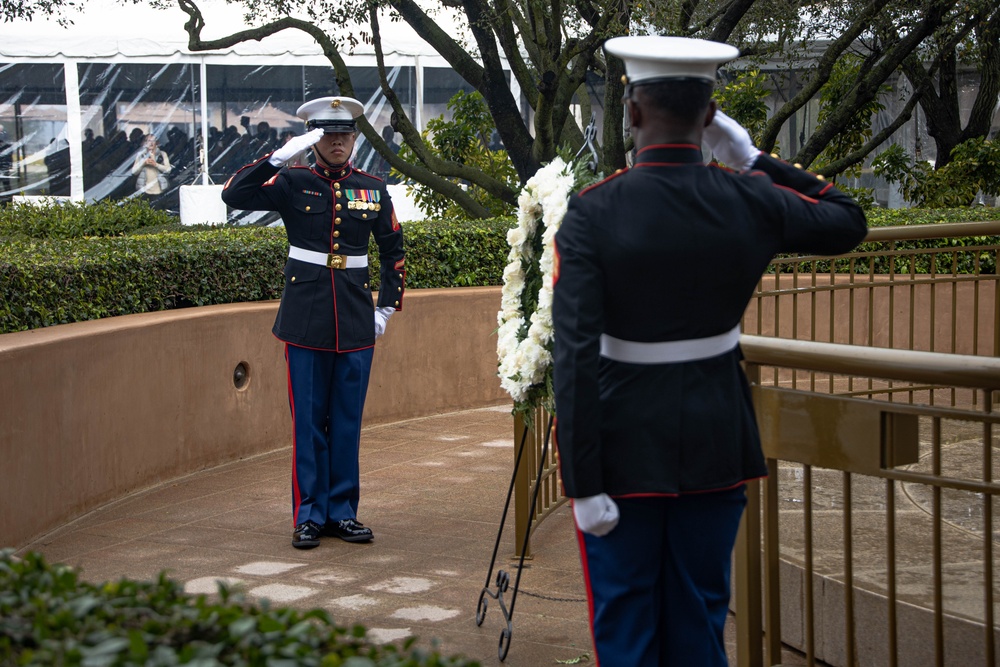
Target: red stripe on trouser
{"x": 296, "y": 494}
{"x": 590, "y": 595}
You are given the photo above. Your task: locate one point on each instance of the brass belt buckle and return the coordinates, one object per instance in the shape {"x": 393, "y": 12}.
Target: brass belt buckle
{"x": 336, "y": 261}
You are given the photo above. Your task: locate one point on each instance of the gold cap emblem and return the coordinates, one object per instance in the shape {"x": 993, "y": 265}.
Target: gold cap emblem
{"x": 335, "y": 104}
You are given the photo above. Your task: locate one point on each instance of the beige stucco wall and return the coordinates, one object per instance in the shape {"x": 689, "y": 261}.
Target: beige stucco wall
{"x": 95, "y": 410}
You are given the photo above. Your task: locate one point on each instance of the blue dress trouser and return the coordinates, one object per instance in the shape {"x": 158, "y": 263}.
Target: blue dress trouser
{"x": 326, "y": 393}
{"x": 658, "y": 584}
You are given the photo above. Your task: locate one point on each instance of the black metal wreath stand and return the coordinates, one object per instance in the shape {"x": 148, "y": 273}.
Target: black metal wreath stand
{"x": 503, "y": 578}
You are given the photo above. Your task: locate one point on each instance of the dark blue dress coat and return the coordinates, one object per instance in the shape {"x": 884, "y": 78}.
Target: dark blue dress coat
{"x": 327, "y": 211}
{"x": 672, "y": 249}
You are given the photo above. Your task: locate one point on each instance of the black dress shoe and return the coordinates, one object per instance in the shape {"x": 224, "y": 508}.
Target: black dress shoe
{"x": 306, "y": 535}
{"x": 349, "y": 530}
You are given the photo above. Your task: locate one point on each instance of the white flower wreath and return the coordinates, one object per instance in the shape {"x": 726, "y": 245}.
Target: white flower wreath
{"x": 524, "y": 339}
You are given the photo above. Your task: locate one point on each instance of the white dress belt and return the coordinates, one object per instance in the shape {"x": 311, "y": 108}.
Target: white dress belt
{"x": 332, "y": 261}
{"x": 671, "y": 351}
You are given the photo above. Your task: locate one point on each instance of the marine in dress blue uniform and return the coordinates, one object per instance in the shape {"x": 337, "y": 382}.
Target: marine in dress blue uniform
{"x": 327, "y": 317}
{"x": 655, "y": 431}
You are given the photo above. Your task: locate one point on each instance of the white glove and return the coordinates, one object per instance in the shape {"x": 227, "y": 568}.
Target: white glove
{"x": 382, "y": 318}
{"x": 730, "y": 143}
{"x": 295, "y": 146}
{"x": 596, "y": 515}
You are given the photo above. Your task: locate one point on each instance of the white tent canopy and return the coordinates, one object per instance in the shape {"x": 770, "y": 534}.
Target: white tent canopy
{"x": 107, "y": 29}
{"x": 120, "y": 67}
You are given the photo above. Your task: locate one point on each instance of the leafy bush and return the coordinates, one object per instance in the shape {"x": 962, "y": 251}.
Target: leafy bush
{"x": 465, "y": 253}
{"x": 49, "y": 617}
{"x": 46, "y": 282}
{"x": 464, "y": 139}
{"x": 974, "y": 167}
{"x": 54, "y": 281}
{"x": 896, "y": 217}
{"x": 77, "y": 220}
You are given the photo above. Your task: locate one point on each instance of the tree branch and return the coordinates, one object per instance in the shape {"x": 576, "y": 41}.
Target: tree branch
{"x": 857, "y": 156}
{"x": 820, "y": 75}
{"x": 869, "y": 84}
{"x": 436, "y": 167}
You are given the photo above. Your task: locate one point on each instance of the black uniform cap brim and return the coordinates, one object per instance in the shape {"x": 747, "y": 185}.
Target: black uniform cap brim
{"x": 330, "y": 126}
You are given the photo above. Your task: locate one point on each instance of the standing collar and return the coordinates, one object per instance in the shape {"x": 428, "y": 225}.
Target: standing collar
{"x": 334, "y": 174}
{"x": 669, "y": 154}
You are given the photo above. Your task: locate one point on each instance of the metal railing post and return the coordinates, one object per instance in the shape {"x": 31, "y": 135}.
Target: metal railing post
{"x": 747, "y": 584}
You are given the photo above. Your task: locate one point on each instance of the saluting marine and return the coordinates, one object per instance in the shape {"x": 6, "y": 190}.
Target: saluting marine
{"x": 326, "y": 317}
{"x": 655, "y": 429}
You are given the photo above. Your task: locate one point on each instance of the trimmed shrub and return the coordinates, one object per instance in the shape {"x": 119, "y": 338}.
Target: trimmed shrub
{"x": 59, "y": 281}
{"x": 55, "y": 281}
{"x": 76, "y": 220}
{"x": 895, "y": 217}
{"x": 48, "y": 616}
{"x": 49, "y": 275}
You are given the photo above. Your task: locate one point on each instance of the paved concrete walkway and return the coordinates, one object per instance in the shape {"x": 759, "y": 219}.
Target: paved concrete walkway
{"x": 432, "y": 491}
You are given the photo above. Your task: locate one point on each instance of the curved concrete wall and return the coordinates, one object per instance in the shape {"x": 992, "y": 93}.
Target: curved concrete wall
{"x": 95, "y": 410}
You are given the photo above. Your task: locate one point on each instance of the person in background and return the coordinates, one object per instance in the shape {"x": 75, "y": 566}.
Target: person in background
{"x": 151, "y": 167}
{"x": 326, "y": 318}
{"x": 655, "y": 429}
{"x": 383, "y": 168}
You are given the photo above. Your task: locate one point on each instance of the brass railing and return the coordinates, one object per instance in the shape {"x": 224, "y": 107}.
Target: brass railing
{"x": 887, "y": 295}
{"x": 550, "y": 496}
{"x": 877, "y": 515}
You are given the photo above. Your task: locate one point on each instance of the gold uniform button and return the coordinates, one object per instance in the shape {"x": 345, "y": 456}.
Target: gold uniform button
{"x": 820, "y": 177}
{"x": 774, "y": 155}
{"x": 336, "y": 221}
{"x": 338, "y": 207}
{"x": 399, "y": 289}
{"x": 308, "y": 208}
{"x": 624, "y": 79}
{"x": 293, "y": 279}
{"x": 366, "y": 285}
{"x": 364, "y": 215}
{"x": 400, "y": 275}
{"x": 338, "y": 193}
{"x": 397, "y": 304}
{"x": 336, "y": 233}
{"x": 336, "y": 246}
{"x": 797, "y": 165}
{"x": 336, "y": 186}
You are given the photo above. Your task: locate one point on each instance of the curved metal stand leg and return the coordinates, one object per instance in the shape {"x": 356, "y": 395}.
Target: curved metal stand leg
{"x": 503, "y": 579}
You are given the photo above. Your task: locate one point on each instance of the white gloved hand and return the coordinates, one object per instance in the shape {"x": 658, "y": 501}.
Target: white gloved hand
{"x": 730, "y": 143}
{"x": 382, "y": 318}
{"x": 595, "y": 515}
{"x": 295, "y": 146}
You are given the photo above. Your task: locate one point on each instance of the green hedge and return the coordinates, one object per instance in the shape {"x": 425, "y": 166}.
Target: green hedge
{"x": 71, "y": 220}
{"x": 58, "y": 281}
{"x": 49, "y": 617}
{"x": 895, "y": 217}
{"x": 71, "y": 263}
{"x": 51, "y": 281}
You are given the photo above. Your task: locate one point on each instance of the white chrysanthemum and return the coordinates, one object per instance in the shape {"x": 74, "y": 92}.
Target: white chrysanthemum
{"x": 524, "y": 358}
{"x": 516, "y": 236}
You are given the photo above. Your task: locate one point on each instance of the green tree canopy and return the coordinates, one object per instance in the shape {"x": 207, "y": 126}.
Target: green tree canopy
{"x": 551, "y": 48}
